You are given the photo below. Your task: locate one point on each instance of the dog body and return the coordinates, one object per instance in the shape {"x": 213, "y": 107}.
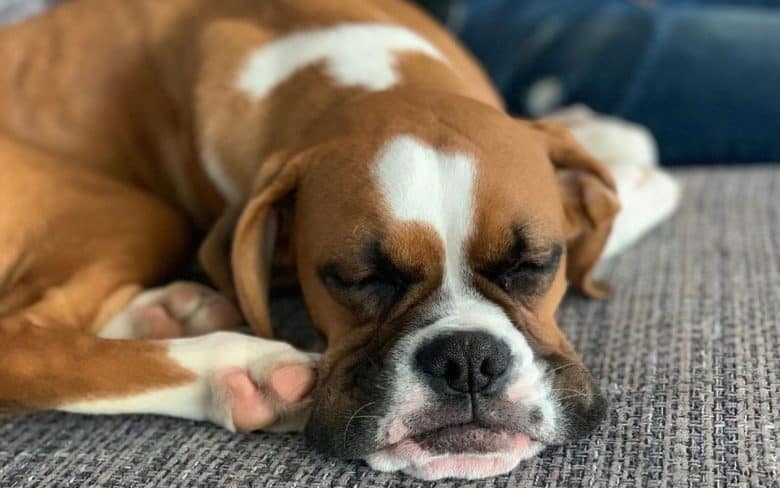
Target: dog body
{"x": 351, "y": 144}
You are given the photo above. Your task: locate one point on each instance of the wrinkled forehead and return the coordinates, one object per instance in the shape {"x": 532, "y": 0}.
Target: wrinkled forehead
{"x": 464, "y": 195}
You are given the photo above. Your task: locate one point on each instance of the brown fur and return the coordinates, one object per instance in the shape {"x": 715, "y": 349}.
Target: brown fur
{"x": 105, "y": 107}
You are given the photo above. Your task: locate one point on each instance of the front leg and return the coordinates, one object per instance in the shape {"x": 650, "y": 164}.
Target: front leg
{"x": 251, "y": 383}
{"x": 238, "y": 381}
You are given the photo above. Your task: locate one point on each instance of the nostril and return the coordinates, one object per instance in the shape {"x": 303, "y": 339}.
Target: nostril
{"x": 495, "y": 364}
{"x": 484, "y": 368}
{"x": 488, "y": 372}
{"x": 457, "y": 376}
{"x": 488, "y": 367}
{"x": 452, "y": 371}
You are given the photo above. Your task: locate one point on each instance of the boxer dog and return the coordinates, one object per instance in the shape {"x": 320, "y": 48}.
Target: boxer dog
{"x": 351, "y": 144}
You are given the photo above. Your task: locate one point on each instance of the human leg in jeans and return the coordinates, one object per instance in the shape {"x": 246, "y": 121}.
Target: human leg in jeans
{"x": 701, "y": 74}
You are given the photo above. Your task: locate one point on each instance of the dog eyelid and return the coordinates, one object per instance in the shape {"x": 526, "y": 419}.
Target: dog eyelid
{"x": 545, "y": 260}
{"x": 524, "y": 269}
{"x": 333, "y": 277}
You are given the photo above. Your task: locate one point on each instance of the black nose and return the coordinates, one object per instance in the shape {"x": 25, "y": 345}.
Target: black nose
{"x": 464, "y": 362}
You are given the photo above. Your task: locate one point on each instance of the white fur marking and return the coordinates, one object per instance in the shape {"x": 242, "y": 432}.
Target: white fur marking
{"x": 648, "y": 195}
{"x": 357, "y": 54}
{"x": 419, "y": 183}
{"x": 188, "y": 401}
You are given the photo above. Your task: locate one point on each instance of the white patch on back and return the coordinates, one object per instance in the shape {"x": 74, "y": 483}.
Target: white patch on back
{"x": 419, "y": 183}
{"x": 354, "y": 55}
{"x": 358, "y": 54}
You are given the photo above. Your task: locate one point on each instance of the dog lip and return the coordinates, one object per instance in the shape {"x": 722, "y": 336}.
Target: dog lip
{"x": 456, "y": 451}
{"x": 451, "y": 429}
{"x": 469, "y": 437}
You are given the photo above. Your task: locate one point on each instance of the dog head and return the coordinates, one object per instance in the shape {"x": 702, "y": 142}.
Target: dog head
{"x": 433, "y": 238}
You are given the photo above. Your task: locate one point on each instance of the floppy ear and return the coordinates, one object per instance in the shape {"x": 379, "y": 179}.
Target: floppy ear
{"x": 241, "y": 266}
{"x": 255, "y": 237}
{"x": 590, "y": 205}
{"x": 214, "y": 251}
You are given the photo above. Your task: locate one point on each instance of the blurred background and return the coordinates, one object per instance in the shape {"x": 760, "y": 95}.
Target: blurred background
{"x": 702, "y": 75}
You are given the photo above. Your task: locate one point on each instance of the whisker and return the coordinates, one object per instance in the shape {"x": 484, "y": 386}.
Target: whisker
{"x": 353, "y": 416}
{"x": 575, "y": 394}
{"x": 572, "y": 396}
{"x": 568, "y": 365}
{"x": 568, "y": 389}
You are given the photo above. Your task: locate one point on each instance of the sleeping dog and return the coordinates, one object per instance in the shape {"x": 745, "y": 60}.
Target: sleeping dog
{"x": 349, "y": 144}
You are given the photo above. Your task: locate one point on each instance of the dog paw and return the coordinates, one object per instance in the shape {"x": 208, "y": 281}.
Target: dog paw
{"x": 180, "y": 309}
{"x": 271, "y": 394}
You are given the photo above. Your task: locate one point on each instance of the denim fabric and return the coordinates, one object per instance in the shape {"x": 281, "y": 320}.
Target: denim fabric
{"x": 703, "y": 75}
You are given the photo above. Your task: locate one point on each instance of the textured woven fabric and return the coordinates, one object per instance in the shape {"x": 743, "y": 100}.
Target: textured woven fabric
{"x": 686, "y": 350}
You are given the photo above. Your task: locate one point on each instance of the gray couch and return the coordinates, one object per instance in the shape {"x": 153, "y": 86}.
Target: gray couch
{"x": 687, "y": 350}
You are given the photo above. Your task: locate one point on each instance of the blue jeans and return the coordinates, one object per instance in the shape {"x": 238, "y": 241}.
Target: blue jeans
{"x": 703, "y": 75}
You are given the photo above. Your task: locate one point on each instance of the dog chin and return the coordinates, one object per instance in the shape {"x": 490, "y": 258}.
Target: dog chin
{"x": 489, "y": 454}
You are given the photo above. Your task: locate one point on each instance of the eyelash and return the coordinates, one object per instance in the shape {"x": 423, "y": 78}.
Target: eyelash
{"x": 335, "y": 279}
{"x": 531, "y": 270}
{"x": 526, "y": 268}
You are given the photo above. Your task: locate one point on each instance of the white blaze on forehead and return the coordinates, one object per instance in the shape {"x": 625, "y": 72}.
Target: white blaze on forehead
{"x": 355, "y": 54}
{"x": 420, "y": 183}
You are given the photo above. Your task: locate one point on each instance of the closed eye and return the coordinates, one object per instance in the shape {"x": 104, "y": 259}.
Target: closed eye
{"x": 334, "y": 279}
{"x": 374, "y": 290}
{"x": 524, "y": 274}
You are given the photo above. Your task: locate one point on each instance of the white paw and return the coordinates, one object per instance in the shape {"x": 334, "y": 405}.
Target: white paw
{"x": 648, "y": 195}
{"x": 615, "y": 142}
{"x": 180, "y": 309}
{"x": 270, "y": 392}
